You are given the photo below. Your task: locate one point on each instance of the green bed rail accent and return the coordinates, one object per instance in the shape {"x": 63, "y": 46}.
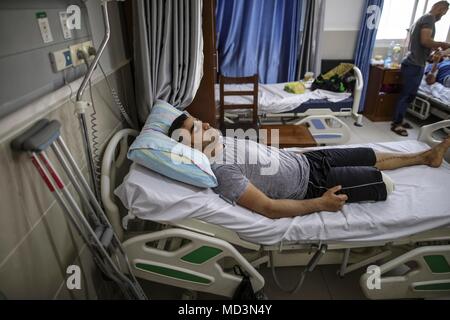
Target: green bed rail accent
{"x": 171, "y": 273}
{"x": 201, "y": 255}
{"x": 433, "y": 287}
{"x": 437, "y": 264}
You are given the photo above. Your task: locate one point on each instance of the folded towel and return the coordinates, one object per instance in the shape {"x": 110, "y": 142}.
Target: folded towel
{"x": 295, "y": 88}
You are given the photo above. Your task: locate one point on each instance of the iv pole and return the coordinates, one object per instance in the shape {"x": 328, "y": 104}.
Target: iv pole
{"x": 81, "y": 106}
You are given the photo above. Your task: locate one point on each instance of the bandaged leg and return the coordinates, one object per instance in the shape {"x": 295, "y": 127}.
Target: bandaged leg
{"x": 390, "y": 185}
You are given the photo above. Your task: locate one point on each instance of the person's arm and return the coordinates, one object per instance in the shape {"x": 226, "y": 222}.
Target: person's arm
{"x": 427, "y": 40}
{"x": 255, "y": 200}
{"x": 431, "y": 76}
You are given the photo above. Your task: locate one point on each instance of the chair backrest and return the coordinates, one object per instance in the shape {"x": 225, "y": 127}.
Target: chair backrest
{"x": 254, "y": 80}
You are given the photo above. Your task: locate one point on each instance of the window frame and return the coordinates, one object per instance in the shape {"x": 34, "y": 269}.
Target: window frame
{"x": 387, "y": 42}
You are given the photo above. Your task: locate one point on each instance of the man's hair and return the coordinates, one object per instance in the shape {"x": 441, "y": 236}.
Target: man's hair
{"x": 441, "y": 3}
{"x": 177, "y": 124}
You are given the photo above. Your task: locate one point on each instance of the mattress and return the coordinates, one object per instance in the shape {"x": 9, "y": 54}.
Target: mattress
{"x": 419, "y": 203}
{"x": 436, "y": 91}
{"x": 273, "y": 99}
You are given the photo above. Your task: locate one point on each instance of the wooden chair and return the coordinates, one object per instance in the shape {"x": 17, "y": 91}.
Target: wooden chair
{"x": 254, "y": 124}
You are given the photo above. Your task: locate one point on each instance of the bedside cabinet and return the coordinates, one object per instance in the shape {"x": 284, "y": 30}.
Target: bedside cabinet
{"x": 382, "y": 93}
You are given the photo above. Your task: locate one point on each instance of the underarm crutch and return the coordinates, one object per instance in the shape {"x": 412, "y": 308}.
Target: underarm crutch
{"x": 93, "y": 227}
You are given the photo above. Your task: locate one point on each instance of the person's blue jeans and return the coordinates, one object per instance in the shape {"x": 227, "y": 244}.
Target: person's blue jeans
{"x": 412, "y": 77}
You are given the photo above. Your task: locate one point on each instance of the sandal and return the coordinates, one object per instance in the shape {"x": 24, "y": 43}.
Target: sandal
{"x": 399, "y": 130}
{"x": 406, "y": 125}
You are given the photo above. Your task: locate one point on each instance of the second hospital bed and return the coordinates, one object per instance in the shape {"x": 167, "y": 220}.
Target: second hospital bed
{"x": 431, "y": 100}
{"x": 319, "y": 109}
{"x": 204, "y": 237}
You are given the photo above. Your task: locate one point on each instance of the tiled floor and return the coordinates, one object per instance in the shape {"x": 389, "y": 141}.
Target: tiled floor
{"x": 323, "y": 283}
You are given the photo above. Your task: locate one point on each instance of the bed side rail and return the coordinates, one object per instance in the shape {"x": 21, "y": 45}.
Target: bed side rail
{"x": 426, "y": 134}
{"x": 357, "y": 96}
{"x": 327, "y": 129}
{"x": 194, "y": 262}
{"x": 420, "y": 273}
{"x": 114, "y": 156}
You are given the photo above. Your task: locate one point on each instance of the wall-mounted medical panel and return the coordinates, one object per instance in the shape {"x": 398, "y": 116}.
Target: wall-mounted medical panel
{"x": 26, "y": 71}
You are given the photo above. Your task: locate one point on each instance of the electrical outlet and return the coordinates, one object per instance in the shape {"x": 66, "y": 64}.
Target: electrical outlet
{"x": 84, "y": 46}
{"x": 73, "y": 52}
{"x": 87, "y": 45}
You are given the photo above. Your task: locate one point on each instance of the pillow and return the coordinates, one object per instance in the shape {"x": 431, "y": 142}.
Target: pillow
{"x": 154, "y": 150}
{"x": 161, "y": 117}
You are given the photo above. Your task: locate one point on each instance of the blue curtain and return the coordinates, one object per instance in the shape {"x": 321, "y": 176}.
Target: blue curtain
{"x": 259, "y": 36}
{"x": 366, "y": 42}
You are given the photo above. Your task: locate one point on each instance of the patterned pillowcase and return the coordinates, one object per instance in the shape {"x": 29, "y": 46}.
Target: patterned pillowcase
{"x": 154, "y": 150}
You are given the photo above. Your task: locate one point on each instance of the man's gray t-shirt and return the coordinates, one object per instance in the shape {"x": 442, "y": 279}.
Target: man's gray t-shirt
{"x": 418, "y": 54}
{"x": 277, "y": 173}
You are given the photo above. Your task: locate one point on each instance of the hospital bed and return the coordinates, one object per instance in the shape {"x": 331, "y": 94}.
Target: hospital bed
{"x": 431, "y": 100}
{"x": 200, "y": 237}
{"x": 320, "y": 110}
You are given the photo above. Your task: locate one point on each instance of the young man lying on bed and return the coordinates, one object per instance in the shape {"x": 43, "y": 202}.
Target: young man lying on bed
{"x": 301, "y": 184}
{"x": 439, "y": 69}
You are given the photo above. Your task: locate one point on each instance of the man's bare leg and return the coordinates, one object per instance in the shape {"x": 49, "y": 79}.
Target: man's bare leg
{"x": 432, "y": 158}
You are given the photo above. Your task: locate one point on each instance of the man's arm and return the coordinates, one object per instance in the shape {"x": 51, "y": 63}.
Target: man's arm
{"x": 427, "y": 41}
{"x": 255, "y": 200}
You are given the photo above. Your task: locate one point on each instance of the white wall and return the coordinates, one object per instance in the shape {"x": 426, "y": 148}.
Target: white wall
{"x": 341, "y": 28}
{"x": 37, "y": 242}
{"x": 343, "y": 15}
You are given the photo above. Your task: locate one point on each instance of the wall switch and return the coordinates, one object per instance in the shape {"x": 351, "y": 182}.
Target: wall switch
{"x": 44, "y": 26}
{"x": 61, "y": 60}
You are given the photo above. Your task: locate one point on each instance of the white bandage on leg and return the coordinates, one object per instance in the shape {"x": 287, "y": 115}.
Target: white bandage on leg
{"x": 390, "y": 185}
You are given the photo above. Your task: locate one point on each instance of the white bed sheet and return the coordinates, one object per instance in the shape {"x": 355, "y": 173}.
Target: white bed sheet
{"x": 436, "y": 90}
{"x": 273, "y": 98}
{"x": 419, "y": 203}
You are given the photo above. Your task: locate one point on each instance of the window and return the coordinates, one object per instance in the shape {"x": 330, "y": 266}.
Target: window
{"x": 395, "y": 19}
{"x": 399, "y": 15}
{"x": 442, "y": 27}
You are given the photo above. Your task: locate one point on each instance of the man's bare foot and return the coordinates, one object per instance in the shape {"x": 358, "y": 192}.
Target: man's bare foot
{"x": 435, "y": 156}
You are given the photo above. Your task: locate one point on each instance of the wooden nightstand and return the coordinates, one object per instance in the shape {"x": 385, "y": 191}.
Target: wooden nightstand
{"x": 382, "y": 94}
{"x": 290, "y": 136}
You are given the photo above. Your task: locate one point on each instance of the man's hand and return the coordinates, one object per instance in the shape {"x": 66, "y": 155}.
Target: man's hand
{"x": 331, "y": 201}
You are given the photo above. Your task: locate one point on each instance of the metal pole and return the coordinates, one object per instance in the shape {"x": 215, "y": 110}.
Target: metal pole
{"x": 81, "y": 105}
{"x": 99, "y": 53}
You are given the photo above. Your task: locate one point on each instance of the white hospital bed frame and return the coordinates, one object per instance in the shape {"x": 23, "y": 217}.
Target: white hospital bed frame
{"x": 198, "y": 256}
{"x": 425, "y": 105}
{"x": 323, "y": 123}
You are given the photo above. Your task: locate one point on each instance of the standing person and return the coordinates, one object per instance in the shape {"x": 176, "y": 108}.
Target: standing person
{"x": 413, "y": 66}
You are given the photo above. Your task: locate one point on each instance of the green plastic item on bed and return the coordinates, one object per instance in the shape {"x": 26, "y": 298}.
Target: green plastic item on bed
{"x": 295, "y": 88}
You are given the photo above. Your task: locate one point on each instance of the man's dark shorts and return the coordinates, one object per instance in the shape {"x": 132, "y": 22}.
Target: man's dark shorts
{"x": 353, "y": 169}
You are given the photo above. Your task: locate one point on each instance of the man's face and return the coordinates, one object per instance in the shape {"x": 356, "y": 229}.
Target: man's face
{"x": 199, "y": 135}
{"x": 442, "y": 12}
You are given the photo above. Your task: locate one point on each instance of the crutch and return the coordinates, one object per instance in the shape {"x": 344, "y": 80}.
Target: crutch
{"x": 94, "y": 227}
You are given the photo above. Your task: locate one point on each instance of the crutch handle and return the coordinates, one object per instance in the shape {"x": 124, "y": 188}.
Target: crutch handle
{"x": 17, "y": 144}
{"x": 39, "y": 137}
